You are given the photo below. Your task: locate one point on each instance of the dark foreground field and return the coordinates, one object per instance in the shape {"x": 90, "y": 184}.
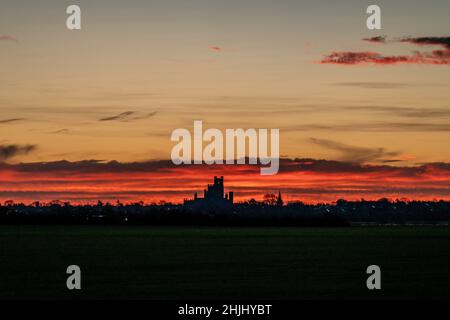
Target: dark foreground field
{"x": 224, "y": 263}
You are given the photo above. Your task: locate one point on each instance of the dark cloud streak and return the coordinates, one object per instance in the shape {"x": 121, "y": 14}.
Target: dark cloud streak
{"x": 6, "y": 121}
{"x": 372, "y": 127}
{"x": 373, "y": 85}
{"x": 439, "y": 41}
{"x": 286, "y": 165}
{"x": 436, "y": 57}
{"x": 355, "y": 154}
{"x": 377, "y": 39}
{"x": 128, "y": 116}
{"x": 9, "y": 151}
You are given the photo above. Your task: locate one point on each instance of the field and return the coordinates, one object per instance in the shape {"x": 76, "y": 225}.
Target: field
{"x": 224, "y": 263}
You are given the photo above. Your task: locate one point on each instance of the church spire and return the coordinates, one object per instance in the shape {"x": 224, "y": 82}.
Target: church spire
{"x": 279, "y": 199}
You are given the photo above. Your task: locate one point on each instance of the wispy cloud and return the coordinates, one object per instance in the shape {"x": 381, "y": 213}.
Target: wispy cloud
{"x": 60, "y": 131}
{"x": 120, "y": 117}
{"x": 421, "y": 41}
{"x": 373, "y": 85}
{"x": 427, "y": 41}
{"x": 405, "y": 112}
{"x": 372, "y": 127}
{"x": 5, "y": 121}
{"x": 356, "y": 154}
{"x": 377, "y": 39}
{"x": 129, "y": 116}
{"x": 9, "y": 38}
{"x": 435, "y": 57}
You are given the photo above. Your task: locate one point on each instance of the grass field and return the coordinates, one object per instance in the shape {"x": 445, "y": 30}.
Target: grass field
{"x": 224, "y": 263}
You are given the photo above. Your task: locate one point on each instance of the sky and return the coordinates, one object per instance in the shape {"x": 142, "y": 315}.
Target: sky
{"x": 374, "y": 100}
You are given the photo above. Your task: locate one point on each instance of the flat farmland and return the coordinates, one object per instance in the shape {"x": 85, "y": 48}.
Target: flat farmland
{"x": 142, "y": 262}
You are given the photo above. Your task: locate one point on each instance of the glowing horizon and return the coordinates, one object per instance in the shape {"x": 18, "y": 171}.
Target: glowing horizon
{"x": 307, "y": 180}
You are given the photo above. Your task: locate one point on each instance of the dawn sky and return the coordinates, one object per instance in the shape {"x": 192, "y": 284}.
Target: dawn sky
{"x": 137, "y": 70}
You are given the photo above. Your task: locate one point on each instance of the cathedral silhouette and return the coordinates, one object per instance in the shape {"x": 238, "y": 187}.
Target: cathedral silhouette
{"x": 214, "y": 197}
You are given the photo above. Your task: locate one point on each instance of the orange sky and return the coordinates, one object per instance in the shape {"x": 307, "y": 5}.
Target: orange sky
{"x": 115, "y": 90}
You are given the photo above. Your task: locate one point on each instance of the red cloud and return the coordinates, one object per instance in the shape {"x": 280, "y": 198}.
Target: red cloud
{"x": 436, "y": 57}
{"x": 308, "y": 180}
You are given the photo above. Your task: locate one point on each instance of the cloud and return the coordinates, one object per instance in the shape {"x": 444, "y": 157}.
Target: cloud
{"x": 373, "y": 127}
{"x": 166, "y": 167}
{"x": 215, "y": 48}
{"x": 120, "y": 117}
{"x": 311, "y": 180}
{"x": 408, "y": 112}
{"x": 377, "y": 39}
{"x": 356, "y": 154}
{"x": 9, "y": 38}
{"x": 5, "y": 121}
{"x": 421, "y": 41}
{"x": 424, "y": 41}
{"x": 91, "y": 166}
{"x": 128, "y": 116}
{"x": 60, "y": 131}
{"x": 373, "y": 85}
{"x": 13, "y": 150}
{"x": 436, "y": 57}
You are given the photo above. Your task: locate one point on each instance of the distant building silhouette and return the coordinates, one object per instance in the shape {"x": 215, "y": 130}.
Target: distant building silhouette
{"x": 279, "y": 200}
{"x": 214, "y": 197}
